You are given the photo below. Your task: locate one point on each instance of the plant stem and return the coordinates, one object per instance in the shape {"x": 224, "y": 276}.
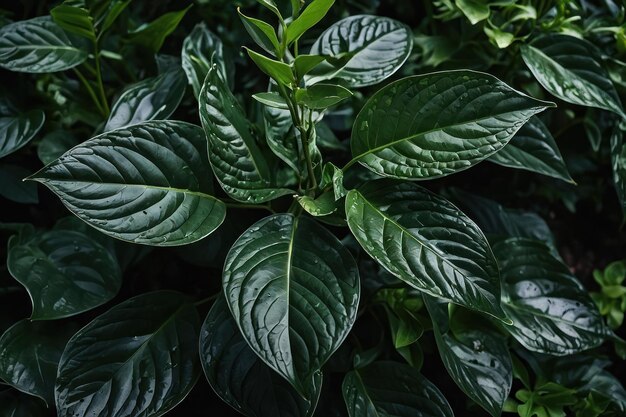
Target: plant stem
{"x": 103, "y": 96}
{"x": 91, "y": 92}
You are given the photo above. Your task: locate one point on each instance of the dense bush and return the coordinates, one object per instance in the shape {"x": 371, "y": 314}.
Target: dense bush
{"x": 298, "y": 193}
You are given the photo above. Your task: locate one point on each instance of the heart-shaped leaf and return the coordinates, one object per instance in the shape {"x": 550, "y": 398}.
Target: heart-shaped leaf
{"x": 38, "y": 46}
{"x": 151, "y": 99}
{"x": 65, "y": 272}
{"x": 368, "y": 49}
{"x": 293, "y": 289}
{"x": 551, "y": 311}
{"x": 139, "y": 359}
{"x": 433, "y": 125}
{"x": 149, "y": 183}
{"x": 17, "y": 130}
{"x": 427, "y": 242}
{"x": 243, "y": 380}
{"x": 392, "y": 389}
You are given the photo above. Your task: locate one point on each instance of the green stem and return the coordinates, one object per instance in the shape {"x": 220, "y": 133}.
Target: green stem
{"x": 103, "y": 96}
{"x": 91, "y": 92}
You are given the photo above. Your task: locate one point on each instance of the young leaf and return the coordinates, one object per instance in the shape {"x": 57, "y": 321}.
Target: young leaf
{"x": 323, "y": 205}
{"x": 241, "y": 378}
{"x": 293, "y": 289}
{"x": 427, "y": 242}
{"x": 17, "y": 130}
{"x": 75, "y": 20}
{"x": 571, "y": 69}
{"x": 115, "y": 8}
{"x": 551, "y": 311}
{"x": 391, "y": 388}
{"x": 148, "y": 183}
{"x": 303, "y": 64}
{"x": 475, "y": 10}
{"x": 271, "y": 99}
{"x": 237, "y": 161}
{"x": 369, "y": 49}
{"x": 153, "y": 34}
{"x": 151, "y": 99}
{"x": 271, "y": 5}
{"x": 140, "y": 358}
{"x": 12, "y": 186}
{"x": 314, "y": 12}
{"x": 263, "y": 33}
{"x": 333, "y": 176}
{"x": 279, "y": 71}
{"x": 433, "y": 125}
{"x": 65, "y": 273}
{"x": 322, "y": 96}
{"x": 533, "y": 149}
{"x": 37, "y": 46}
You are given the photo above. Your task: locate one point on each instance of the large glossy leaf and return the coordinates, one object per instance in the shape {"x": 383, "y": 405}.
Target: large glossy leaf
{"x": 17, "y": 130}
{"x": 392, "y": 389}
{"x": 427, "y": 242}
{"x": 14, "y": 404}
{"x": 237, "y": 161}
{"x": 201, "y": 50}
{"x": 13, "y": 187}
{"x": 533, "y": 148}
{"x": 618, "y": 163}
{"x": 37, "y": 45}
{"x": 475, "y": 355}
{"x": 367, "y": 49}
{"x": 149, "y": 183}
{"x": 437, "y": 124}
{"x": 243, "y": 380}
{"x": 293, "y": 289}
{"x": 551, "y": 311}
{"x": 138, "y": 359}
{"x": 29, "y": 355}
{"x": 65, "y": 272}
{"x": 571, "y": 69}
{"x": 151, "y": 99}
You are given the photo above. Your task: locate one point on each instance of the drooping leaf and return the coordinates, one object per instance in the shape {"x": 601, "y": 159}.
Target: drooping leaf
{"x": 139, "y": 359}
{"x": 333, "y": 177}
{"x": 533, "y": 148}
{"x": 17, "y": 130}
{"x": 151, "y": 99}
{"x": 13, "y": 188}
{"x": 392, "y": 389}
{"x": 433, "y": 125}
{"x": 65, "y": 273}
{"x": 15, "y": 404}
{"x": 29, "y": 355}
{"x": 74, "y": 19}
{"x": 367, "y": 50}
{"x": 551, "y": 311}
{"x": 281, "y": 135}
{"x": 293, "y": 289}
{"x": 241, "y": 378}
{"x": 149, "y": 183}
{"x": 312, "y": 14}
{"x": 152, "y": 35}
{"x": 320, "y": 206}
{"x": 237, "y": 161}
{"x": 571, "y": 69}
{"x": 55, "y": 144}
{"x": 263, "y": 33}
{"x": 618, "y": 163}
{"x": 427, "y": 242}
{"x": 38, "y": 46}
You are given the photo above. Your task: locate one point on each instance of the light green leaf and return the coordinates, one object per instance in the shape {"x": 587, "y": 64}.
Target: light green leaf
{"x": 152, "y": 35}
{"x": 314, "y": 12}
{"x": 17, "y": 130}
{"x": 140, "y": 358}
{"x": 149, "y": 183}
{"x": 322, "y": 96}
{"x": 303, "y": 64}
{"x": 427, "y": 242}
{"x": 475, "y": 10}
{"x": 271, "y": 5}
{"x": 279, "y": 71}
{"x": 293, "y": 289}
{"x": 263, "y": 33}
{"x": 74, "y": 20}
{"x": 434, "y": 125}
{"x": 12, "y": 186}
{"x": 272, "y": 99}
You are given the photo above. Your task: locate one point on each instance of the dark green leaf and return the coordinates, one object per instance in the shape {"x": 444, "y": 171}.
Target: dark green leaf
{"x": 427, "y": 242}
{"x": 114, "y": 9}
{"x": 38, "y": 46}
{"x": 149, "y": 183}
{"x": 294, "y": 290}
{"x": 433, "y": 125}
{"x": 618, "y": 162}
{"x": 303, "y": 64}
{"x": 14, "y": 404}
{"x": 282, "y": 136}
{"x": 279, "y": 71}
{"x": 17, "y": 130}
{"x": 320, "y": 206}
{"x": 138, "y": 359}
{"x": 13, "y": 187}
{"x": 314, "y": 12}
{"x": 75, "y": 20}
{"x": 322, "y": 96}
{"x": 153, "y": 34}
{"x": 241, "y": 378}
{"x": 333, "y": 177}
{"x": 263, "y": 33}
{"x": 392, "y": 389}
{"x": 55, "y": 144}
{"x": 65, "y": 273}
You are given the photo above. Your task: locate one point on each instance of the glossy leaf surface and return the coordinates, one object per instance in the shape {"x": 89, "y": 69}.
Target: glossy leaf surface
{"x": 18, "y": 129}
{"x": 433, "y": 125}
{"x": 149, "y": 183}
{"x": 312, "y": 14}
{"x": 293, "y": 289}
{"x": 74, "y": 19}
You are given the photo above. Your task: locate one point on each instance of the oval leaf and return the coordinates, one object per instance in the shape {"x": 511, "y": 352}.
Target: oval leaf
{"x": 293, "y": 289}
{"x": 427, "y": 242}
{"x": 392, "y": 389}
{"x": 17, "y": 130}
{"x": 367, "y": 49}
{"x": 437, "y": 124}
{"x": 243, "y": 380}
{"x": 65, "y": 273}
{"x": 551, "y": 311}
{"x": 138, "y": 359}
{"x": 148, "y": 183}
{"x": 38, "y": 46}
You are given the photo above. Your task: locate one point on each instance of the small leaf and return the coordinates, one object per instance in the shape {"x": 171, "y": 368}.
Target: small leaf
{"x": 322, "y": 96}
{"x": 140, "y": 358}
{"x": 12, "y": 186}
{"x": 64, "y": 272}
{"x": 241, "y": 378}
{"x": 314, "y": 12}
{"x": 75, "y": 20}
{"x": 303, "y": 64}
{"x": 271, "y": 99}
{"x": 392, "y": 389}
{"x": 433, "y": 125}
{"x": 115, "y": 8}
{"x": 475, "y": 10}
{"x": 263, "y": 33}
{"x": 148, "y": 183}
{"x": 618, "y": 163}
{"x": 293, "y": 289}
{"x": 37, "y": 46}
{"x": 153, "y": 34}
{"x": 323, "y": 205}
{"x": 151, "y": 99}
{"x": 271, "y": 5}
{"x": 279, "y": 71}
{"x": 333, "y": 177}
{"x": 17, "y": 130}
